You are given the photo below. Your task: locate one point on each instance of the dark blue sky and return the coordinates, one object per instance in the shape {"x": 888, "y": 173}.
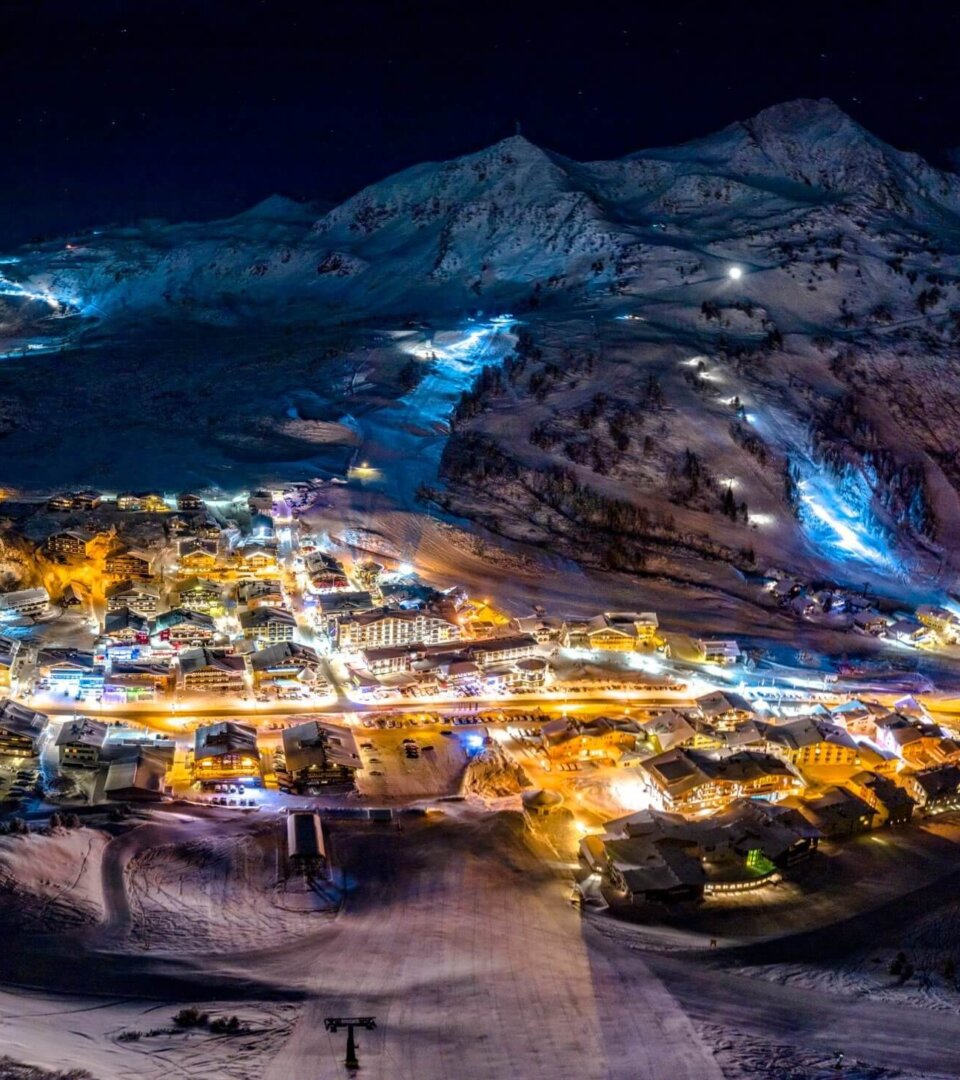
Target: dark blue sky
{"x": 118, "y": 109}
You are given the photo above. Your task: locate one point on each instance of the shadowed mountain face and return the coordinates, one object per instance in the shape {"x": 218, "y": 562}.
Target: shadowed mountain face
{"x": 824, "y": 378}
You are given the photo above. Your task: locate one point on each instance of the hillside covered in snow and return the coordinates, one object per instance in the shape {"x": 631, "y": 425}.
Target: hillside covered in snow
{"x": 657, "y": 408}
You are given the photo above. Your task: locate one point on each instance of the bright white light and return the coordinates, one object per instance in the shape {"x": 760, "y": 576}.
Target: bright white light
{"x": 630, "y": 794}
{"x": 404, "y": 569}
{"x": 735, "y": 273}
{"x": 645, "y": 662}
{"x": 843, "y": 526}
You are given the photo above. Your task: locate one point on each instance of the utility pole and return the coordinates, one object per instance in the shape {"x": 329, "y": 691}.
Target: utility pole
{"x": 335, "y": 1023}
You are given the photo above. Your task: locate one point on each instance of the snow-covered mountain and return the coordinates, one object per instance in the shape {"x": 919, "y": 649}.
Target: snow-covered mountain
{"x": 842, "y": 328}
{"x": 490, "y": 227}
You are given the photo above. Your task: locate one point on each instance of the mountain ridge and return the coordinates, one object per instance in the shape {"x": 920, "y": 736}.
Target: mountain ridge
{"x": 499, "y": 220}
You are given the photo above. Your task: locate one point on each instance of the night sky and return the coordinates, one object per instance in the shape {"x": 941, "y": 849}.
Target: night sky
{"x": 116, "y": 110}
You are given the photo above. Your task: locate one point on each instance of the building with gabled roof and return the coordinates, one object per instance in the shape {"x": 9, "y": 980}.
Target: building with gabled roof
{"x": 934, "y": 789}
{"x": 396, "y": 626}
{"x": 257, "y": 556}
{"x": 198, "y": 556}
{"x": 336, "y": 606}
{"x": 613, "y": 631}
{"x": 501, "y": 650}
{"x": 139, "y": 775}
{"x": 208, "y": 670}
{"x": 25, "y": 603}
{"x": 691, "y": 780}
{"x": 20, "y": 729}
{"x": 723, "y": 707}
{"x": 70, "y": 542}
{"x": 639, "y": 871}
{"x": 199, "y": 594}
{"x": 892, "y": 802}
{"x": 716, "y": 651}
{"x": 254, "y": 591}
{"x": 318, "y": 753}
{"x": 667, "y": 730}
{"x": 285, "y": 660}
{"x": 226, "y": 750}
{"x": 130, "y": 564}
{"x": 136, "y": 680}
{"x": 189, "y": 503}
{"x": 80, "y": 742}
{"x": 268, "y": 624}
{"x": 144, "y": 599}
{"x": 126, "y": 627}
{"x": 910, "y": 737}
{"x": 836, "y": 812}
{"x": 326, "y": 573}
{"x": 181, "y": 627}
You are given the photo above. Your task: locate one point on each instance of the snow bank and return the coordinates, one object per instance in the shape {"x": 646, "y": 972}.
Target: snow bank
{"x": 491, "y": 774}
{"x": 51, "y": 882}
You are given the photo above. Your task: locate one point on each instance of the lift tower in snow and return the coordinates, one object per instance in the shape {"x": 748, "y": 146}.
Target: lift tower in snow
{"x": 335, "y": 1023}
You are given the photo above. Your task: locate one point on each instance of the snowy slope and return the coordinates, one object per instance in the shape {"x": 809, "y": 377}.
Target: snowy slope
{"x": 841, "y": 335}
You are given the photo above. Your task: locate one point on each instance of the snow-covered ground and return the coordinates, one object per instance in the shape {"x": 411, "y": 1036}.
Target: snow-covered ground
{"x": 454, "y": 929}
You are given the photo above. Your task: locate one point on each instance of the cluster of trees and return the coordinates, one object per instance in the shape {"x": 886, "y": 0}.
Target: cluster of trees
{"x": 899, "y": 486}
{"x": 192, "y": 1017}
{"x": 750, "y": 441}
{"x": 695, "y": 473}
{"x": 654, "y": 398}
{"x": 551, "y": 432}
{"x": 620, "y": 424}
{"x": 473, "y": 457}
{"x": 492, "y": 380}
{"x": 615, "y": 534}
{"x": 731, "y": 508}
{"x": 63, "y": 821}
{"x": 903, "y": 969}
{"x": 928, "y": 298}
{"x": 488, "y": 384}
{"x": 543, "y": 380}
{"x": 590, "y": 413}
{"x": 410, "y": 374}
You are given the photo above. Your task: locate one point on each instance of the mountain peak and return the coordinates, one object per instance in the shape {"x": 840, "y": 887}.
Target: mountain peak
{"x": 519, "y": 149}
{"x": 801, "y": 112}
{"x": 808, "y": 120}
{"x": 279, "y": 207}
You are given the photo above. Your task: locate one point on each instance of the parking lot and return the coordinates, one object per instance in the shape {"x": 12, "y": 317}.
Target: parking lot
{"x": 18, "y": 777}
{"x": 403, "y": 763}
{"x": 226, "y": 793}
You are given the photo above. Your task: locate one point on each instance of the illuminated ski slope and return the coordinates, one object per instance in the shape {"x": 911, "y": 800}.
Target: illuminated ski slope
{"x": 837, "y": 527}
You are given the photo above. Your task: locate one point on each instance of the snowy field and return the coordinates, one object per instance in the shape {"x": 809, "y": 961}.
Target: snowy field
{"x": 453, "y": 931}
